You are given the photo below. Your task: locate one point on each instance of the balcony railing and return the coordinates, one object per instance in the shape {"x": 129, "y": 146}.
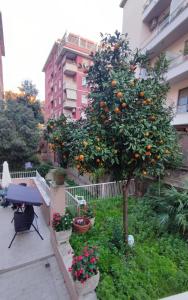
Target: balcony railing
{"x": 69, "y": 104}
{"x": 148, "y": 2}
{"x": 70, "y": 68}
{"x": 180, "y": 9}
{"x": 69, "y": 85}
{"x": 177, "y": 60}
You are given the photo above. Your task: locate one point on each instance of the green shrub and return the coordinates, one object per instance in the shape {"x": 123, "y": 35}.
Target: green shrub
{"x": 44, "y": 168}
{"x": 171, "y": 207}
{"x": 157, "y": 265}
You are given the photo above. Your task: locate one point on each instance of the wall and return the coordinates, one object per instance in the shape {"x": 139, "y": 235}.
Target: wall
{"x": 174, "y": 91}
{"x": 1, "y": 76}
{"x": 132, "y": 23}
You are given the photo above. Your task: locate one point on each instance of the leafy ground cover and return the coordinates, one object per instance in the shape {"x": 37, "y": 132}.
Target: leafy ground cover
{"x": 157, "y": 266}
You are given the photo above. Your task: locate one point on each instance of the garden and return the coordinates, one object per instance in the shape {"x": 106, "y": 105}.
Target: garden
{"x": 155, "y": 267}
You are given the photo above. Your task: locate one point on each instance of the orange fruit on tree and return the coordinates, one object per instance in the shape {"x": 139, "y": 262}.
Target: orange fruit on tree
{"x": 141, "y": 94}
{"x": 136, "y": 155}
{"x": 116, "y": 46}
{"x": 113, "y": 83}
{"x": 152, "y": 118}
{"x": 81, "y": 157}
{"x": 102, "y": 104}
{"x": 157, "y": 157}
{"x": 148, "y": 153}
{"x": 106, "y": 109}
{"x": 117, "y": 110}
{"x": 144, "y": 172}
{"x": 146, "y": 133}
{"x": 124, "y": 105}
{"x": 119, "y": 95}
{"x": 148, "y": 147}
{"x": 148, "y": 101}
{"x": 98, "y": 160}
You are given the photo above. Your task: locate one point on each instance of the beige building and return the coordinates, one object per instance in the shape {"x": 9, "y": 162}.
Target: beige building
{"x": 2, "y": 53}
{"x": 162, "y": 25}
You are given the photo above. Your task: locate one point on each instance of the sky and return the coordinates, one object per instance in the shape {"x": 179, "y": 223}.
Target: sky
{"x": 31, "y": 27}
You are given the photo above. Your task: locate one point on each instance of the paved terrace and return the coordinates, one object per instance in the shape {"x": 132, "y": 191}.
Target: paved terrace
{"x": 28, "y": 270}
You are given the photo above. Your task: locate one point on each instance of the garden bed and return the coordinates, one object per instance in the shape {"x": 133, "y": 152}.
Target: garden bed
{"x": 156, "y": 267}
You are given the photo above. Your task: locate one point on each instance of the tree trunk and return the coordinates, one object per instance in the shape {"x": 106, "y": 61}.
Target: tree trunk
{"x": 125, "y": 209}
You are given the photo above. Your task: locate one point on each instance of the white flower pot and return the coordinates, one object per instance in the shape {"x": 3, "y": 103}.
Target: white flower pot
{"x": 63, "y": 236}
{"x": 92, "y": 220}
{"x": 88, "y": 286}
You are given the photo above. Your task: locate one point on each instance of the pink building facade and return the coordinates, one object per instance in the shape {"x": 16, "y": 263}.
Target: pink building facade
{"x": 65, "y": 77}
{"x": 162, "y": 26}
{"x": 2, "y": 53}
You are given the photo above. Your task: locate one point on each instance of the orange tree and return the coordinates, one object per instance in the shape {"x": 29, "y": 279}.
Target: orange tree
{"x": 128, "y": 129}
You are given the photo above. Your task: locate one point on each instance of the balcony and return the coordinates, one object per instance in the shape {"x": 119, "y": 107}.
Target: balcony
{"x": 169, "y": 31}
{"x": 178, "y": 69}
{"x": 153, "y": 8}
{"x": 181, "y": 118}
{"x": 69, "y": 85}
{"x": 70, "y": 69}
{"x": 69, "y": 104}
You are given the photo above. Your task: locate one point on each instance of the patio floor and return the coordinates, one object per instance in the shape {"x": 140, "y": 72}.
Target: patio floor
{"x": 27, "y": 247}
{"x": 28, "y": 270}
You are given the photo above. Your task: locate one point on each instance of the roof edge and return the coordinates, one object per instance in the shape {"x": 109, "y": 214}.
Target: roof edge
{"x": 52, "y": 49}
{"x": 2, "y": 36}
{"x": 122, "y": 3}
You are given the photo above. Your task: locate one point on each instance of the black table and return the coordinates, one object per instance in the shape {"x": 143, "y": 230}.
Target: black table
{"x": 29, "y": 196}
{"x": 23, "y": 195}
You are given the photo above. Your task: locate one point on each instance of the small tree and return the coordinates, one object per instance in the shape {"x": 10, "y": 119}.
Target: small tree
{"x": 128, "y": 129}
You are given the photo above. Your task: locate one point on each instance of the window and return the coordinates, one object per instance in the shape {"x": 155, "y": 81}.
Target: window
{"x": 59, "y": 100}
{"x": 59, "y": 83}
{"x": 55, "y": 103}
{"x": 183, "y": 101}
{"x": 84, "y": 99}
{"x": 55, "y": 89}
{"x": 84, "y": 81}
{"x": 185, "y": 52}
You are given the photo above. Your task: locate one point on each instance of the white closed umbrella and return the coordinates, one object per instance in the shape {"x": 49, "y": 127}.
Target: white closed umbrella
{"x": 6, "y": 179}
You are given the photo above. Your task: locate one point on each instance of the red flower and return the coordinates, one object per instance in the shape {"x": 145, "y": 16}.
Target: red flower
{"x": 86, "y": 254}
{"x": 70, "y": 269}
{"x": 93, "y": 260}
{"x": 80, "y": 258}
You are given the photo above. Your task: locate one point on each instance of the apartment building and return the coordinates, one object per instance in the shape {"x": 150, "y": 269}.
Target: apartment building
{"x": 2, "y": 53}
{"x": 162, "y": 26}
{"x": 65, "y": 76}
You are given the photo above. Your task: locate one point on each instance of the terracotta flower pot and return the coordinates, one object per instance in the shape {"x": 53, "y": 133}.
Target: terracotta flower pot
{"x": 63, "y": 236}
{"x": 88, "y": 286}
{"x": 81, "y": 224}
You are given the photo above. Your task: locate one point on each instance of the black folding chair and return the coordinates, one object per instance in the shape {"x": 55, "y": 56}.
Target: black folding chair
{"x": 23, "y": 221}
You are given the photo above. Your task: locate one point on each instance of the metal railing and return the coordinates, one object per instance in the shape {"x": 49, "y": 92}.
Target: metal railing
{"x": 177, "y": 60}
{"x": 148, "y": 2}
{"x": 180, "y": 9}
{"x": 98, "y": 191}
{"x": 21, "y": 174}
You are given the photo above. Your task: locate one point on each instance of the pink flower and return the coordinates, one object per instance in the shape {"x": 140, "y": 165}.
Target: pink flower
{"x": 86, "y": 254}
{"x": 93, "y": 260}
{"x": 80, "y": 258}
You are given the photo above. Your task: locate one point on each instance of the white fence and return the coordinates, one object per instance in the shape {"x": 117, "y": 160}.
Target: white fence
{"x": 43, "y": 183}
{"x": 96, "y": 191}
{"x": 21, "y": 174}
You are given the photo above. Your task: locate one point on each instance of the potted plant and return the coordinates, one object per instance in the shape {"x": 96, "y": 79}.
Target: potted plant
{"x": 81, "y": 224}
{"x": 85, "y": 271}
{"x": 88, "y": 211}
{"x": 59, "y": 176}
{"x": 62, "y": 226}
